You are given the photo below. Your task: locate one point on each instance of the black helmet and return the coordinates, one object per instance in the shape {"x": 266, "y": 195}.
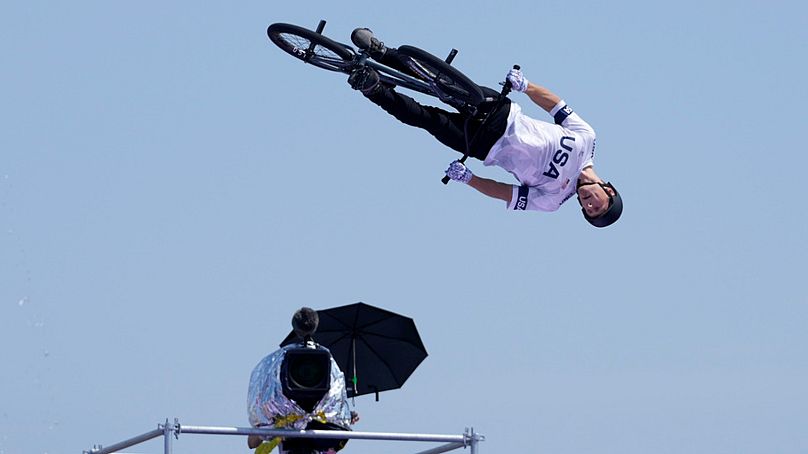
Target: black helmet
{"x": 614, "y": 211}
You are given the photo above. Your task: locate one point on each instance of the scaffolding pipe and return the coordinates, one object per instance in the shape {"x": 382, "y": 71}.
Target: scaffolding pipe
{"x": 469, "y": 438}
{"x": 339, "y": 434}
{"x": 167, "y": 431}
{"x": 475, "y": 439}
{"x": 443, "y": 448}
{"x": 127, "y": 443}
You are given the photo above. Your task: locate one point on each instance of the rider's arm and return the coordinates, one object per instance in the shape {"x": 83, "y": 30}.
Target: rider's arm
{"x": 519, "y": 198}
{"x": 492, "y": 188}
{"x": 555, "y": 106}
{"x": 545, "y": 99}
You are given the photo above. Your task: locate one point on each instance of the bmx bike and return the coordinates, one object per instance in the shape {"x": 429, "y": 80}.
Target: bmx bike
{"x": 428, "y": 74}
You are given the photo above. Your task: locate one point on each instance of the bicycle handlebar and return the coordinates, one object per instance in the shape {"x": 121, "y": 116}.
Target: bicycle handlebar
{"x": 506, "y": 88}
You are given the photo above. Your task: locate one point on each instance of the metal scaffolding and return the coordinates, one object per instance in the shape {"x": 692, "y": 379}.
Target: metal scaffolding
{"x": 468, "y": 439}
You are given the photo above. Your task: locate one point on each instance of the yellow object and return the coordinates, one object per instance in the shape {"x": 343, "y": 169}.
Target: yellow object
{"x": 267, "y": 446}
{"x": 286, "y": 421}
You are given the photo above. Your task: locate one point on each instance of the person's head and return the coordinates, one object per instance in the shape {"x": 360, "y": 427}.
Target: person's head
{"x": 305, "y": 322}
{"x": 600, "y": 202}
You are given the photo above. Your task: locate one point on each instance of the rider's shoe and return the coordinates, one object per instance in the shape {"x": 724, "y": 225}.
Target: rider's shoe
{"x": 363, "y": 38}
{"x": 364, "y": 79}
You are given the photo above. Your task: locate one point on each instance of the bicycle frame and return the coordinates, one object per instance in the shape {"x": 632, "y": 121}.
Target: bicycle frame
{"x": 395, "y": 77}
{"x": 398, "y": 78}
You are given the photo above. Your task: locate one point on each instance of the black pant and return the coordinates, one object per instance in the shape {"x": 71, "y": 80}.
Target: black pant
{"x": 452, "y": 129}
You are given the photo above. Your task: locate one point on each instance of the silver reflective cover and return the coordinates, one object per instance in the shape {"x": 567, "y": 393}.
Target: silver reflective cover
{"x": 268, "y": 406}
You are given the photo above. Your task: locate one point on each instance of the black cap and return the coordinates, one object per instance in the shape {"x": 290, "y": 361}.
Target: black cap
{"x": 305, "y": 322}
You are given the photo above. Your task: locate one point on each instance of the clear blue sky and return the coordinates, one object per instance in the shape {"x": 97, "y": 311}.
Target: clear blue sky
{"x": 173, "y": 187}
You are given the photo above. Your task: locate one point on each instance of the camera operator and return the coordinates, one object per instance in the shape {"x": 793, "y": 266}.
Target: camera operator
{"x": 299, "y": 386}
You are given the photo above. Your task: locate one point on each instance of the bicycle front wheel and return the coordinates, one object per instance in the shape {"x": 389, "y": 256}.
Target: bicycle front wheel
{"x": 450, "y": 81}
{"x": 311, "y": 47}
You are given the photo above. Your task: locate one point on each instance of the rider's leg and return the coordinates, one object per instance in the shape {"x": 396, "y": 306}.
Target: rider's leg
{"x": 445, "y": 126}
{"x": 450, "y": 128}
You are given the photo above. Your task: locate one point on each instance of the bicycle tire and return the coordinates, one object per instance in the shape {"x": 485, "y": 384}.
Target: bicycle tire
{"x": 311, "y": 47}
{"x": 447, "y": 78}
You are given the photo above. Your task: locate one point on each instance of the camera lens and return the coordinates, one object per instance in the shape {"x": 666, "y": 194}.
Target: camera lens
{"x": 307, "y": 371}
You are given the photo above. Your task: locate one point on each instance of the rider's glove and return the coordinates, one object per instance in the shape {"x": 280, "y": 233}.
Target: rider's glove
{"x": 459, "y": 172}
{"x": 517, "y": 80}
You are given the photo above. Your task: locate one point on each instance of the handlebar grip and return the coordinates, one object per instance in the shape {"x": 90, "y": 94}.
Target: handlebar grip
{"x": 446, "y": 179}
{"x": 506, "y": 87}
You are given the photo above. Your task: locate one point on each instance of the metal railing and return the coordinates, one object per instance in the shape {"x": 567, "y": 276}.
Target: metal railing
{"x": 468, "y": 439}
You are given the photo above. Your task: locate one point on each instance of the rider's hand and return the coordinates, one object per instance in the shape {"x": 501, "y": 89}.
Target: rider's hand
{"x": 459, "y": 172}
{"x": 517, "y": 80}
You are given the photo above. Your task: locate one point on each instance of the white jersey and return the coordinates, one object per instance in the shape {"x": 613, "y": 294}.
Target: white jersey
{"x": 546, "y": 158}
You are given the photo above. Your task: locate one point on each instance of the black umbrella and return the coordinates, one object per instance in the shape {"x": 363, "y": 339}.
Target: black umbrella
{"x": 377, "y": 349}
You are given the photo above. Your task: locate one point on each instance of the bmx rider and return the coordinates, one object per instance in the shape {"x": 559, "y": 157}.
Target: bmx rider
{"x": 552, "y": 162}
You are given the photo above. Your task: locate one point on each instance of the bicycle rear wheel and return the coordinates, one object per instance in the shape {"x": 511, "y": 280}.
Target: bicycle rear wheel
{"x": 450, "y": 81}
{"x": 311, "y": 47}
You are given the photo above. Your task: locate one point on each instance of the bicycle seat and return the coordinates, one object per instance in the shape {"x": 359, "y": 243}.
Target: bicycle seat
{"x": 489, "y": 94}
